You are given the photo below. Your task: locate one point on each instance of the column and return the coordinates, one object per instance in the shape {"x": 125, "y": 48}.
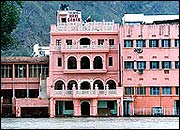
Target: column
{"x": 91, "y": 63}
{"x": 78, "y": 64}
{"x": 93, "y": 108}
{"x": 52, "y": 108}
{"x": 77, "y": 110}
{"x": 104, "y": 62}
{"x": 122, "y": 107}
{"x": 27, "y": 92}
{"x": 118, "y": 107}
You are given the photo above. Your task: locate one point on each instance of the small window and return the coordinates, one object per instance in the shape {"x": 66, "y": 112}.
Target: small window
{"x": 58, "y": 42}
{"x": 177, "y": 90}
{"x": 111, "y": 42}
{"x": 140, "y": 43}
{"x": 69, "y": 42}
{"x": 154, "y": 64}
{"x": 110, "y": 61}
{"x": 129, "y": 91}
{"x": 63, "y": 20}
{"x": 100, "y": 41}
{"x": 59, "y": 62}
{"x": 128, "y": 43}
{"x": 129, "y": 64}
{"x": 153, "y": 43}
{"x": 176, "y": 64}
{"x": 154, "y": 91}
{"x": 176, "y": 42}
{"x": 166, "y": 43}
{"x": 141, "y": 64}
{"x": 166, "y": 91}
{"x": 141, "y": 90}
{"x": 166, "y": 64}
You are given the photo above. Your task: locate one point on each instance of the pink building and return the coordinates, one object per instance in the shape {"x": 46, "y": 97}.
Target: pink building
{"x": 97, "y": 69}
{"x": 84, "y": 68}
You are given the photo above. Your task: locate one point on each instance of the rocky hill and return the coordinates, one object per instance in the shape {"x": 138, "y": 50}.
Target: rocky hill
{"x": 37, "y": 16}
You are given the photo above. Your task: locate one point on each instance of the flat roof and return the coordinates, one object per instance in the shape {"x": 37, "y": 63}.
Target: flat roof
{"x": 24, "y": 59}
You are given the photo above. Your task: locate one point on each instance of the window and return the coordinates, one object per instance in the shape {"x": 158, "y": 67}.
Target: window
{"x": 128, "y": 43}
{"x": 20, "y": 71}
{"x": 140, "y": 43}
{"x": 110, "y": 61}
{"x": 69, "y": 42}
{"x": 177, "y": 90}
{"x": 6, "y": 71}
{"x": 58, "y": 42}
{"x": 166, "y": 43}
{"x": 111, "y": 42}
{"x": 97, "y": 64}
{"x": 129, "y": 64}
{"x": 59, "y": 61}
{"x": 154, "y": 64}
{"x": 166, "y": 64}
{"x": 153, "y": 43}
{"x": 129, "y": 91}
{"x": 154, "y": 91}
{"x": 63, "y": 20}
{"x": 176, "y": 42}
{"x": 141, "y": 91}
{"x": 69, "y": 105}
{"x": 166, "y": 90}
{"x": 176, "y": 64}
{"x": 141, "y": 64}
{"x": 72, "y": 63}
{"x": 100, "y": 41}
{"x": 36, "y": 69}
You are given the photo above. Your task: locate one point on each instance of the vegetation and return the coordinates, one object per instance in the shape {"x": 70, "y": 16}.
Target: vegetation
{"x": 37, "y": 16}
{"x": 10, "y": 12}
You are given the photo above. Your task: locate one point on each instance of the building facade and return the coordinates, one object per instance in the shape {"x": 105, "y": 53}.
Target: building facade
{"x": 97, "y": 69}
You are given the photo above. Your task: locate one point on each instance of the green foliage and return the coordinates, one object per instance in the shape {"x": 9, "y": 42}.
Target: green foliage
{"x": 10, "y": 12}
{"x": 37, "y": 16}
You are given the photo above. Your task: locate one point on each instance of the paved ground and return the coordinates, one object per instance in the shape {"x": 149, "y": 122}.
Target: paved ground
{"x": 91, "y": 123}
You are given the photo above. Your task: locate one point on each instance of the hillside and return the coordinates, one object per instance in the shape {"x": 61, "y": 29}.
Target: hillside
{"x": 37, "y": 16}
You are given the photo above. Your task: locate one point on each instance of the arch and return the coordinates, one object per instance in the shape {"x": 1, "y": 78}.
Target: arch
{"x": 70, "y": 84}
{"x": 100, "y": 84}
{"x": 97, "y": 64}
{"x": 112, "y": 84}
{"x": 59, "y": 85}
{"x": 72, "y": 63}
{"x": 85, "y": 85}
{"x": 84, "y": 41}
{"x": 85, "y": 62}
{"x": 85, "y": 108}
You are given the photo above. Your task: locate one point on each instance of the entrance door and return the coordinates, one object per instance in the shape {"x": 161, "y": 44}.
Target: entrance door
{"x": 85, "y": 108}
{"x": 126, "y": 108}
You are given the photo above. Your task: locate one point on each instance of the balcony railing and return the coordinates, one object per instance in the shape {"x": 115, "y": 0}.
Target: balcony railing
{"x": 64, "y": 48}
{"x": 88, "y": 93}
{"x": 88, "y": 26}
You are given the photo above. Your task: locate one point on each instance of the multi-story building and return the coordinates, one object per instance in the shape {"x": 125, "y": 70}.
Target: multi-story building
{"x": 83, "y": 67}
{"x": 150, "y": 64}
{"x": 97, "y": 69}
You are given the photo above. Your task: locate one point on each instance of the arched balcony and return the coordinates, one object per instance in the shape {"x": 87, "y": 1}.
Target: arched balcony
{"x": 111, "y": 84}
{"x": 99, "y": 84}
{"x": 85, "y": 62}
{"x": 59, "y": 85}
{"x": 70, "y": 84}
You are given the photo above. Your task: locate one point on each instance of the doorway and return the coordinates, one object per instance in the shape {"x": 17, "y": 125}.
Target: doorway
{"x": 126, "y": 108}
{"x": 85, "y": 108}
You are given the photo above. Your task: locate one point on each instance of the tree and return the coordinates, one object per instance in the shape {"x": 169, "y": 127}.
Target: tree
{"x": 10, "y": 14}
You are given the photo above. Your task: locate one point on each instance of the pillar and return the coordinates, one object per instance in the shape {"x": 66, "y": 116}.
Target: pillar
{"x": 93, "y": 107}
{"x": 77, "y": 108}
{"x": 52, "y": 107}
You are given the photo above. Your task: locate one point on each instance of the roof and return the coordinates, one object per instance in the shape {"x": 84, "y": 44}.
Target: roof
{"x": 24, "y": 59}
{"x": 134, "y": 18}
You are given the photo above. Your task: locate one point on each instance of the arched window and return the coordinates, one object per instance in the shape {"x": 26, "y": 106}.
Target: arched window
{"x": 85, "y": 85}
{"x": 59, "y": 85}
{"x": 70, "y": 84}
{"x": 98, "y": 62}
{"x": 112, "y": 84}
{"x": 84, "y": 41}
{"x": 99, "y": 84}
{"x": 72, "y": 63}
{"x": 85, "y": 63}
